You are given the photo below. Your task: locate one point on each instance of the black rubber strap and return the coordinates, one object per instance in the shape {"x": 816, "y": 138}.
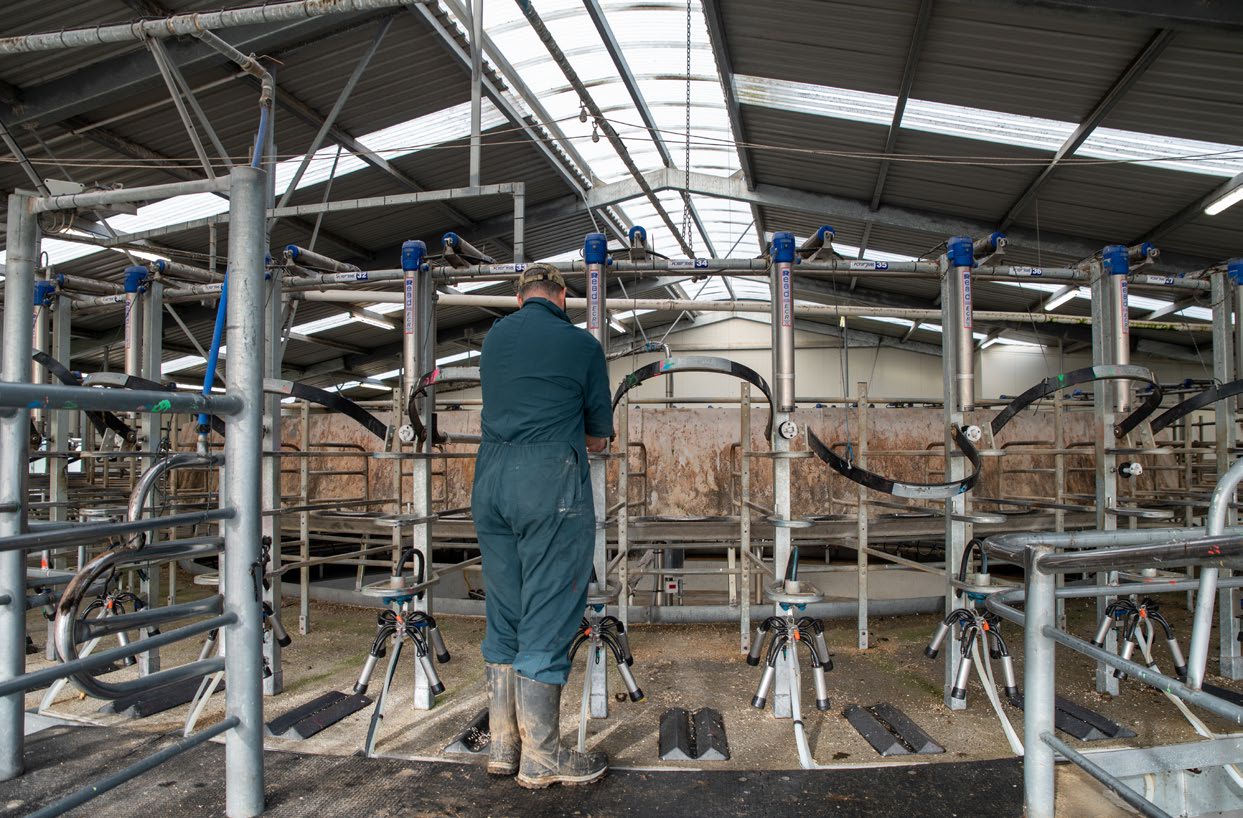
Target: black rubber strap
{"x": 1206, "y": 398}
{"x": 914, "y": 491}
{"x": 341, "y": 404}
{"x": 102, "y": 421}
{"x": 1088, "y": 375}
{"x": 448, "y": 374}
{"x": 698, "y": 363}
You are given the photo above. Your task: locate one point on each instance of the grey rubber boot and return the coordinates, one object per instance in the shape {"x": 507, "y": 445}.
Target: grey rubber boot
{"x": 544, "y": 760}
{"x": 504, "y": 748}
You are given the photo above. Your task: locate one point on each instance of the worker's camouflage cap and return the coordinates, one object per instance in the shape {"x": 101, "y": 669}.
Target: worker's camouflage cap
{"x": 540, "y": 272}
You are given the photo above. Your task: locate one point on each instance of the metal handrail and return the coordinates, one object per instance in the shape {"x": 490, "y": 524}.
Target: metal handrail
{"x": 69, "y": 630}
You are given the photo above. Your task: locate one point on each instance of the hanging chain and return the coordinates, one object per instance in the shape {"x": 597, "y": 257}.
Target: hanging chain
{"x": 687, "y": 235}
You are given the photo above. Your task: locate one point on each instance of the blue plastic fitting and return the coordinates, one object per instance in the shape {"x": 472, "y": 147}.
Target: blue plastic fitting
{"x": 451, "y": 240}
{"x": 595, "y": 248}
{"x": 135, "y": 278}
{"x": 782, "y": 250}
{"x": 1145, "y": 249}
{"x": 641, "y": 232}
{"x": 826, "y": 233}
{"x": 293, "y": 250}
{"x": 161, "y": 266}
{"x": 994, "y": 237}
{"x": 959, "y": 251}
{"x": 44, "y": 291}
{"x": 1234, "y": 269}
{"x": 412, "y": 254}
{"x": 1116, "y": 260}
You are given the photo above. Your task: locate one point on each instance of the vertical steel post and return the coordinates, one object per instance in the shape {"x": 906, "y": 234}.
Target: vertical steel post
{"x": 595, "y": 254}
{"x": 520, "y": 221}
{"x": 476, "y": 90}
{"x": 744, "y": 515}
{"x": 1038, "y": 686}
{"x": 304, "y": 518}
{"x": 958, "y": 369}
{"x": 59, "y": 424}
{"x": 41, "y": 318}
{"x": 243, "y": 455}
{"x": 152, "y": 351}
{"x": 781, "y": 283}
{"x": 1224, "y": 285}
{"x": 22, "y": 244}
{"x": 1107, "y": 397}
{"x": 861, "y": 523}
{"x": 623, "y": 511}
{"x": 273, "y": 326}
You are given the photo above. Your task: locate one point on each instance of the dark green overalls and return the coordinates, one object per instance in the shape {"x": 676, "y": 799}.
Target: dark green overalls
{"x": 545, "y": 386}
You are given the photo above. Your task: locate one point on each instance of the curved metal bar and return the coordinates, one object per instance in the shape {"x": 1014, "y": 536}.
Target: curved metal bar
{"x": 138, "y": 497}
{"x": 67, "y": 612}
{"x": 917, "y": 491}
{"x": 439, "y": 375}
{"x": 102, "y": 421}
{"x": 1088, "y": 375}
{"x": 699, "y": 363}
{"x": 329, "y": 400}
{"x": 1206, "y": 398}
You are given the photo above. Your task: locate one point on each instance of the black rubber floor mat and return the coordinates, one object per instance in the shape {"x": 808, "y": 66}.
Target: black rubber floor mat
{"x": 890, "y": 731}
{"x": 1082, "y": 723}
{"x": 475, "y": 739}
{"x": 157, "y": 700}
{"x": 698, "y": 735}
{"x": 299, "y": 784}
{"x": 316, "y": 715}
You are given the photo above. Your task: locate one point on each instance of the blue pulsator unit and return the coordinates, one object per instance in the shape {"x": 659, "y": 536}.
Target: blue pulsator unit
{"x": 595, "y": 248}
{"x": 1115, "y": 260}
{"x": 959, "y": 251}
{"x": 44, "y": 291}
{"x": 1234, "y": 269}
{"x": 135, "y": 278}
{"x": 641, "y": 232}
{"x": 412, "y": 254}
{"x": 783, "y": 248}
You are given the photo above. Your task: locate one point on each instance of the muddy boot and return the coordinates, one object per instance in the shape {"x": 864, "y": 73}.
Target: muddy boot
{"x": 544, "y": 760}
{"x": 504, "y": 748}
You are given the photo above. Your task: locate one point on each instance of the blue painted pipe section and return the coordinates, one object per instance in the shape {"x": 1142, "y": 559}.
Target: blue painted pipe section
{"x": 265, "y": 113}
{"x": 213, "y": 355}
{"x": 637, "y": 231}
{"x": 1115, "y": 260}
{"x": 782, "y": 251}
{"x": 1234, "y": 269}
{"x": 595, "y": 248}
{"x": 959, "y": 250}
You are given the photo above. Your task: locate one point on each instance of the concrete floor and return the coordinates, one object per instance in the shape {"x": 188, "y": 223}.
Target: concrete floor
{"x": 681, "y": 666}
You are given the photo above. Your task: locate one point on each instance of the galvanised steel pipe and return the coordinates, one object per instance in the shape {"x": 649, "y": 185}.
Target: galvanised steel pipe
{"x": 1039, "y": 685}
{"x": 781, "y": 283}
{"x": 1011, "y": 547}
{"x": 19, "y": 397}
{"x": 138, "y": 497}
{"x": 181, "y": 24}
{"x": 1202, "y": 622}
{"x": 243, "y": 454}
{"x": 686, "y": 304}
{"x": 72, "y": 201}
{"x": 22, "y": 243}
{"x": 959, "y": 259}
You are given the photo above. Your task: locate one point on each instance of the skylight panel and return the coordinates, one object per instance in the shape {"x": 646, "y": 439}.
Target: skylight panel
{"x": 184, "y": 362}
{"x": 990, "y": 126}
{"x": 323, "y": 324}
{"x": 1198, "y": 313}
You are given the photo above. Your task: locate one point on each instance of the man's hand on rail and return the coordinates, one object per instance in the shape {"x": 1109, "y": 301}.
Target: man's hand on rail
{"x": 597, "y": 444}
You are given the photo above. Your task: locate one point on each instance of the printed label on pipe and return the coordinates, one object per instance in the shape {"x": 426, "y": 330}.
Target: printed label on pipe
{"x": 506, "y": 268}
{"x": 1027, "y": 272}
{"x": 345, "y": 278}
{"x": 129, "y": 328}
{"x": 787, "y": 296}
{"x": 966, "y": 297}
{"x": 1126, "y": 309}
{"x": 409, "y": 325}
{"x": 688, "y": 264}
{"x": 1164, "y": 281}
{"x": 593, "y": 298}
{"x": 869, "y": 265}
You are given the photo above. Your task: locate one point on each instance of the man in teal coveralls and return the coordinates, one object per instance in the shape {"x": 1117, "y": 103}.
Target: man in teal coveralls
{"x": 545, "y": 404}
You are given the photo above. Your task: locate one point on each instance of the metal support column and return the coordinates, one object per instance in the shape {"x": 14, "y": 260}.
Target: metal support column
{"x": 22, "y": 245}
{"x": 476, "y": 91}
{"x": 595, "y": 254}
{"x": 1225, "y": 429}
{"x": 60, "y": 423}
{"x": 861, "y": 523}
{"x": 150, "y": 424}
{"x": 1110, "y": 338}
{"x": 419, "y": 356}
{"x": 781, "y": 283}
{"x": 744, "y": 515}
{"x": 273, "y": 324}
{"x": 958, "y": 367}
{"x": 242, "y": 568}
{"x": 1038, "y": 687}
{"x": 623, "y": 510}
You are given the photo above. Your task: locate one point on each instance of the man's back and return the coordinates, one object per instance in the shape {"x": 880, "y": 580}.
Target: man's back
{"x": 543, "y": 379}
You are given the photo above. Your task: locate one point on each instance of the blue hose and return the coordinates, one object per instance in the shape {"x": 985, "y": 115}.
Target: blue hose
{"x": 261, "y": 137}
